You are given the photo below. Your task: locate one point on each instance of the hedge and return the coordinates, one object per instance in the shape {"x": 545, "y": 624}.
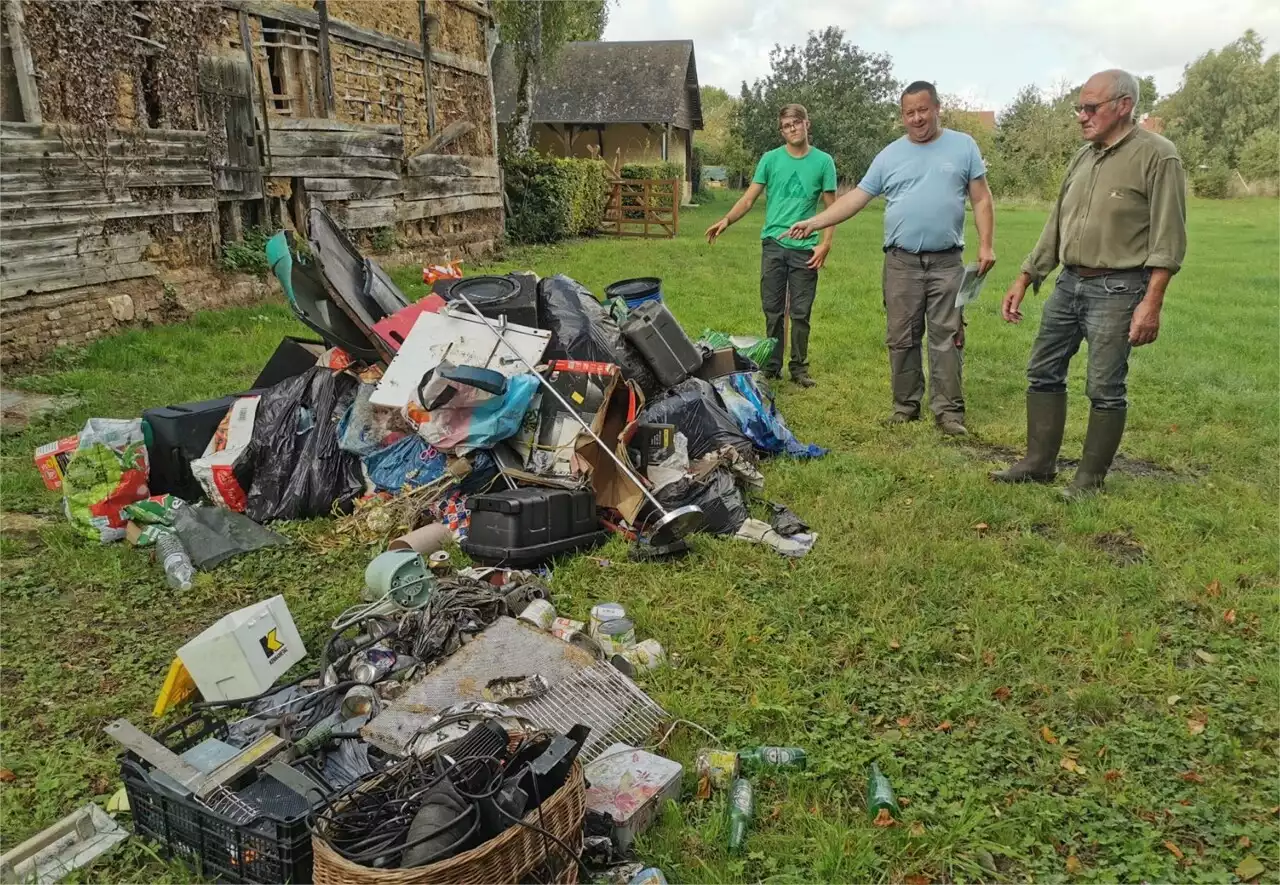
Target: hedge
{"x": 552, "y": 198}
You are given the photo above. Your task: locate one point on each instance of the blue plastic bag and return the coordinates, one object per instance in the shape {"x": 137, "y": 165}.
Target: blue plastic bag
{"x": 484, "y": 424}
{"x": 409, "y": 461}
{"x": 758, "y": 417}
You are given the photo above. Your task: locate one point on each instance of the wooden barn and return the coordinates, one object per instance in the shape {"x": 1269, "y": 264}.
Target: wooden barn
{"x": 175, "y": 127}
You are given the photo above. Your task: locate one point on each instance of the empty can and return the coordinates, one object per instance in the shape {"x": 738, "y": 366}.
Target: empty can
{"x": 617, "y": 636}
{"x": 718, "y": 766}
{"x": 564, "y": 628}
{"x": 605, "y": 611}
{"x": 540, "y": 613}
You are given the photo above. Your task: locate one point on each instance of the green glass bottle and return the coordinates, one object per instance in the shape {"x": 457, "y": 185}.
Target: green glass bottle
{"x": 742, "y": 806}
{"x": 880, "y": 795}
{"x": 760, "y": 758}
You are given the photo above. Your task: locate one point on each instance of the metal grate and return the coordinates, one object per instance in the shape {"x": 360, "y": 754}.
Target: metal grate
{"x": 600, "y": 697}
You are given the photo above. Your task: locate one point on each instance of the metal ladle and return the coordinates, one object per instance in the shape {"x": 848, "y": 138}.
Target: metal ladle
{"x": 674, "y": 524}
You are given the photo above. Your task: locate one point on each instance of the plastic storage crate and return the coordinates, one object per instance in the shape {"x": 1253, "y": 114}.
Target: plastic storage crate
{"x": 266, "y": 850}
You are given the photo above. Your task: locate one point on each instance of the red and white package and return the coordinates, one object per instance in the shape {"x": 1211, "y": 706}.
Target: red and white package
{"x": 213, "y": 470}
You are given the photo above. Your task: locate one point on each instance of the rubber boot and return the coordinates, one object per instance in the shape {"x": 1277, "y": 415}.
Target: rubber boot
{"x": 1101, "y": 441}
{"x": 1046, "y": 418}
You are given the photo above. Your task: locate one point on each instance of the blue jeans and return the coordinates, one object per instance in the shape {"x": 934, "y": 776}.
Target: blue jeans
{"x": 1094, "y": 309}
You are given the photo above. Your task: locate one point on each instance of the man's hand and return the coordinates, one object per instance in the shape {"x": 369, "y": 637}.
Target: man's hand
{"x": 717, "y": 229}
{"x": 819, "y": 256}
{"x": 986, "y": 259}
{"x": 801, "y": 230}
{"x": 1012, "y": 301}
{"x": 1145, "y": 326}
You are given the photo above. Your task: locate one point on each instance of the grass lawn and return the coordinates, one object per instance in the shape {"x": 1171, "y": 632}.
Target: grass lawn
{"x": 1042, "y": 682}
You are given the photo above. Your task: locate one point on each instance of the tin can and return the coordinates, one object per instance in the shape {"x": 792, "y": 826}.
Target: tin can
{"x": 718, "y": 766}
{"x": 605, "y": 611}
{"x": 370, "y": 665}
{"x": 439, "y": 561}
{"x": 360, "y": 701}
{"x": 647, "y": 655}
{"x": 564, "y": 628}
{"x": 540, "y": 613}
{"x": 617, "y": 636}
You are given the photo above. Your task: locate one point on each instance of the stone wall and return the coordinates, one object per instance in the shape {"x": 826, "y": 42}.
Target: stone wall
{"x": 33, "y": 326}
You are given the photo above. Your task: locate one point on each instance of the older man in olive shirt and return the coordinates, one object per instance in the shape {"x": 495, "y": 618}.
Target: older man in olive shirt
{"x": 1119, "y": 230}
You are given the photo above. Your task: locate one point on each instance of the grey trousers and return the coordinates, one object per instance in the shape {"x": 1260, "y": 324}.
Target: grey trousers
{"x": 919, "y": 298}
{"x": 782, "y": 274}
{"x": 1094, "y": 309}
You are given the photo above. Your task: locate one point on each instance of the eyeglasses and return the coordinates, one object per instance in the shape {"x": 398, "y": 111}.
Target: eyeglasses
{"x": 793, "y": 125}
{"x": 1092, "y": 108}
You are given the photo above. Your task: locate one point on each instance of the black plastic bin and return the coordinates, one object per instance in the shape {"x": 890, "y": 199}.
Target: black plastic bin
{"x": 522, "y": 527}
{"x": 262, "y": 851}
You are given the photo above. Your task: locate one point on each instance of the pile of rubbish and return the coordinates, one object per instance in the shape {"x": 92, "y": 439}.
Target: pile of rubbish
{"x": 522, "y": 414}
{"x": 455, "y": 727}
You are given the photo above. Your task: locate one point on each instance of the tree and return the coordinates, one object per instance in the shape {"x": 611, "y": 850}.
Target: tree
{"x": 1226, "y": 97}
{"x": 1260, "y": 156}
{"x": 1035, "y": 141}
{"x": 851, "y": 97}
{"x": 535, "y": 29}
{"x": 720, "y": 137}
{"x": 1148, "y": 95}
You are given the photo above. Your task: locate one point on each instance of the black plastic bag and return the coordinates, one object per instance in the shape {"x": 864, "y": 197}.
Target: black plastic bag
{"x": 212, "y": 535}
{"x": 293, "y": 466}
{"x": 696, "y": 410}
{"x": 784, "y": 521}
{"x": 716, "y": 494}
{"x": 582, "y": 329}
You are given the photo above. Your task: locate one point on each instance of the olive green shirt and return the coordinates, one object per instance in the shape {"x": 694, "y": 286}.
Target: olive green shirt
{"x": 1121, "y": 207}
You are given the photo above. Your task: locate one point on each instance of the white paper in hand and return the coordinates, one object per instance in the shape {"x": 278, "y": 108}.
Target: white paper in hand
{"x": 970, "y": 285}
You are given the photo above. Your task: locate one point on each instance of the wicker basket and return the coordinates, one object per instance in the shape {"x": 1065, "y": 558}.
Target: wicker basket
{"x": 508, "y": 857}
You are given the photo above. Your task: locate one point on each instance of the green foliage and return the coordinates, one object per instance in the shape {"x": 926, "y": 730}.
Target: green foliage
{"x": 554, "y": 198}
{"x": 384, "y": 239}
{"x": 248, "y": 254}
{"x": 1035, "y": 141}
{"x": 851, "y": 96}
{"x": 589, "y": 183}
{"x": 1226, "y": 96}
{"x": 1260, "y": 156}
{"x": 721, "y": 135}
{"x": 1212, "y": 180}
{"x": 651, "y": 170}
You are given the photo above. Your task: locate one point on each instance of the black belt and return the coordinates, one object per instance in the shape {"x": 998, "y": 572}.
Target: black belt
{"x": 954, "y": 250}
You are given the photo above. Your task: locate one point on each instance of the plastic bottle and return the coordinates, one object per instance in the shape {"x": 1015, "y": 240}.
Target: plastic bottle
{"x": 178, "y": 570}
{"x": 760, "y": 758}
{"x": 742, "y": 806}
{"x": 880, "y": 795}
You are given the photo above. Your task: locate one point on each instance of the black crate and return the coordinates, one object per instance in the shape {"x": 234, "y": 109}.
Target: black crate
{"x": 262, "y": 851}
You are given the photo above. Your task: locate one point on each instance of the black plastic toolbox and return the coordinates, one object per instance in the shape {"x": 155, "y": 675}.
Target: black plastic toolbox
{"x": 521, "y": 527}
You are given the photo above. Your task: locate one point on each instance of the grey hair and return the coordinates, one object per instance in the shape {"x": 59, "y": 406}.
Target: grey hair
{"x": 1123, "y": 84}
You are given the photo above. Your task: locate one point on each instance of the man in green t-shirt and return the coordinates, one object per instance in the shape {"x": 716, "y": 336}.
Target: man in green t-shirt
{"x": 797, "y": 177}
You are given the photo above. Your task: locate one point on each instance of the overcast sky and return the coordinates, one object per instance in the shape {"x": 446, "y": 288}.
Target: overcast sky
{"x": 983, "y": 50}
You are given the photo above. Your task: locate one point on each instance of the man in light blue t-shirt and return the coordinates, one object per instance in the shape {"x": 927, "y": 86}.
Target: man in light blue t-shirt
{"x": 924, "y": 177}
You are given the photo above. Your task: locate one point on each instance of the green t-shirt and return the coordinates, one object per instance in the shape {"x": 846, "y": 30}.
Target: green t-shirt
{"x": 793, "y": 186}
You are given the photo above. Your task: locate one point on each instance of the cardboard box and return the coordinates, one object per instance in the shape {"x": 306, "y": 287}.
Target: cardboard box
{"x": 51, "y": 460}
{"x": 547, "y": 445}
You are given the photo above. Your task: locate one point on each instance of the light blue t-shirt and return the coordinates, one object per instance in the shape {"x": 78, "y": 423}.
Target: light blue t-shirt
{"x": 924, "y": 186}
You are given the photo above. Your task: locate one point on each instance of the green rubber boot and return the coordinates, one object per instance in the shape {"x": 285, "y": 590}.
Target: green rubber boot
{"x": 1101, "y": 441}
{"x": 1046, "y": 418}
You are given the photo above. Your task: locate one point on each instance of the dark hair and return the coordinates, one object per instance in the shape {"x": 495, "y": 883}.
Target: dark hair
{"x": 920, "y": 86}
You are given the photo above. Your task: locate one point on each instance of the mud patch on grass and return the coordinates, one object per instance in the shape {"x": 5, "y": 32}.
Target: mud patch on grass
{"x": 1122, "y": 547}
{"x": 1138, "y": 467}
